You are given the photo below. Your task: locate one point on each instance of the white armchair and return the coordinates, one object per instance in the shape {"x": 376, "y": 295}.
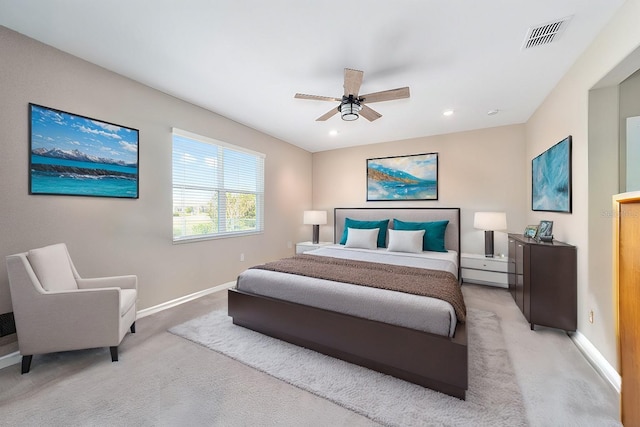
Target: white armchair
{"x": 56, "y": 310}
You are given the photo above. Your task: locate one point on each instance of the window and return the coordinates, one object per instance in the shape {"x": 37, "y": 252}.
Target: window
{"x": 218, "y": 188}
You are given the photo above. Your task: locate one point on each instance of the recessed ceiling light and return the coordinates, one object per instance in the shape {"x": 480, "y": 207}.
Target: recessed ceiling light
{"x": 493, "y": 112}
{"x": 447, "y": 112}
{"x": 333, "y": 132}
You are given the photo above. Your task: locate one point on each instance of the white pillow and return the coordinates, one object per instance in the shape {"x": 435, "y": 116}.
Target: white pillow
{"x": 405, "y": 240}
{"x": 365, "y": 238}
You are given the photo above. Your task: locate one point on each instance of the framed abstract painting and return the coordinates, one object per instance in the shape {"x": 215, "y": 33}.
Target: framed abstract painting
{"x": 412, "y": 177}
{"x": 79, "y": 156}
{"x": 551, "y": 179}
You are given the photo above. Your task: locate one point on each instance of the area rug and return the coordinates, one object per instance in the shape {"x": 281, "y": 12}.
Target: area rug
{"x": 493, "y": 397}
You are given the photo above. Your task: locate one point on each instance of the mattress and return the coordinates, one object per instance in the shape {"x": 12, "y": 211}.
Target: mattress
{"x": 411, "y": 311}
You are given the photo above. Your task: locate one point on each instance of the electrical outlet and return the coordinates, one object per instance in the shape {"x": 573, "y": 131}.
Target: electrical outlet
{"x": 289, "y": 244}
{"x": 241, "y": 257}
{"x": 590, "y": 316}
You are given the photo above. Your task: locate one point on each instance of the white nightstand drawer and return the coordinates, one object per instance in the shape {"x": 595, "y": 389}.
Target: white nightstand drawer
{"x": 486, "y": 271}
{"x": 489, "y": 264}
{"x": 485, "y": 277}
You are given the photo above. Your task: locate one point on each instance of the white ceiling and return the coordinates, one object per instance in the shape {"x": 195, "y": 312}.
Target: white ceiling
{"x": 245, "y": 59}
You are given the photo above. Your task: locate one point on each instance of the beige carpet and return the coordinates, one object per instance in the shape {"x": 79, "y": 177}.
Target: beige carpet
{"x": 493, "y": 397}
{"x": 165, "y": 380}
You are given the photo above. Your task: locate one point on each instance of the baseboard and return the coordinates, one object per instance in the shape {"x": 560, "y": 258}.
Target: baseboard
{"x": 15, "y": 357}
{"x": 173, "y": 303}
{"x": 597, "y": 360}
{"x": 10, "y": 359}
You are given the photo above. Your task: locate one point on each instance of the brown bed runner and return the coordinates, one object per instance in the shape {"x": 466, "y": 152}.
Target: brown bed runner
{"x": 419, "y": 281}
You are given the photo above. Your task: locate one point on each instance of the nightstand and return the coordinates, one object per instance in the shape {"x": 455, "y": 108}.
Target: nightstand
{"x": 309, "y": 246}
{"x": 485, "y": 271}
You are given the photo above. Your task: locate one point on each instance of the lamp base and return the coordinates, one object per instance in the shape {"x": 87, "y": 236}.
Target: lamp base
{"x": 316, "y": 234}
{"x": 488, "y": 244}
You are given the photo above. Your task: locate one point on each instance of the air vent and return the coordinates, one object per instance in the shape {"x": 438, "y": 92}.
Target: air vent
{"x": 545, "y": 33}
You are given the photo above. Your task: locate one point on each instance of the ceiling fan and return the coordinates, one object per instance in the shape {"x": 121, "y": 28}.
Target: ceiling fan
{"x": 353, "y": 105}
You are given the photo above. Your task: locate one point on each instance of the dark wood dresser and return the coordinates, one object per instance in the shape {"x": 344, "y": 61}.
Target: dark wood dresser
{"x": 543, "y": 281}
{"x": 626, "y": 271}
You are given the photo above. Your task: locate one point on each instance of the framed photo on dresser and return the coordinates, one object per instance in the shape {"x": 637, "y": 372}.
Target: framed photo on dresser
{"x": 531, "y": 231}
{"x": 545, "y": 231}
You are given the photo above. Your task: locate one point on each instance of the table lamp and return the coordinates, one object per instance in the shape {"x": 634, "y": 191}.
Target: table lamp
{"x": 489, "y": 222}
{"x": 315, "y": 218}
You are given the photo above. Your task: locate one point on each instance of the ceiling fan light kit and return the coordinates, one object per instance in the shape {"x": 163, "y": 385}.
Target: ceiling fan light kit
{"x": 352, "y": 105}
{"x": 349, "y": 108}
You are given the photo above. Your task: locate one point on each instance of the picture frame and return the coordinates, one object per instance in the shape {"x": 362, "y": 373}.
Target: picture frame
{"x": 530, "y": 231}
{"x": 551, "y": 179}
{"x": 545, "y": 230}
{"x": 410, "y": 177}
{"x": 74, "y": 155}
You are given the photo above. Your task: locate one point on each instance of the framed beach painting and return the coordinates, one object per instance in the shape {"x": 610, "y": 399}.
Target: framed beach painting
{"x": 551, "y": 179}
{"x": 79, "y": 156}
{"x": 412, "y": 177}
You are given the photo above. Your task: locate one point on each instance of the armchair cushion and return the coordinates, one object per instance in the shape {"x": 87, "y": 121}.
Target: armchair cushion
{"x": 127, "y": 300}
{"x": 53, "y": 268}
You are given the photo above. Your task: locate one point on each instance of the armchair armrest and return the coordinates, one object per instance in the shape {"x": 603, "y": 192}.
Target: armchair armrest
{"x": 92, "y": 314}
{"x": 122, "y": 282}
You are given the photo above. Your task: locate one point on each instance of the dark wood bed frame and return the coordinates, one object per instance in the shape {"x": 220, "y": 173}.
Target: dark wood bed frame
{"x": 430, "y": 360}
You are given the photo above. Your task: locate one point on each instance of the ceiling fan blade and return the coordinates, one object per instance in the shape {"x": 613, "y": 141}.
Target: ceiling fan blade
{"x": 386, "y": 95}
{"x": 352, "y": 81}
{"x": 327, "y": 115}
{"x": 316, "y": 97}
{"x": 369, "y": 113}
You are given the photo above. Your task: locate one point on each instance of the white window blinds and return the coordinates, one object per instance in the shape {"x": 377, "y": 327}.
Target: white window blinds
{"x": 218, "y": 188}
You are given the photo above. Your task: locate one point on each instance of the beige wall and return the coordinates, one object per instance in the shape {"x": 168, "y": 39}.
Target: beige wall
{"x": 121, "y": 236}
{"x": 477, "y": 171}
{"x": 566, "y": 112}
{"x": 603, "y": 164}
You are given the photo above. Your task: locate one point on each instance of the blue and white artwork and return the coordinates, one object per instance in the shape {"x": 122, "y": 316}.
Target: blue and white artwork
{"x": 413, "y": 177}
{"x": 79, "y": 156}
{"x": 551, "y": 179}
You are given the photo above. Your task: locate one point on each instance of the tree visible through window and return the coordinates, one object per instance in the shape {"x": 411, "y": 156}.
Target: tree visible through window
{"x": 218, "y": 188}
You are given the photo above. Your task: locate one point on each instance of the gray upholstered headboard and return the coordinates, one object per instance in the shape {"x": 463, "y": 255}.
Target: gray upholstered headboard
{"x": 451, "y": 236}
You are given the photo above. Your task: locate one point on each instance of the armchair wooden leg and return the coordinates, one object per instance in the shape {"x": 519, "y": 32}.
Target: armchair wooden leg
{"x": 26, "y": 363}
{"x": 133, "y": 328}
{"x": 114, "y": 353}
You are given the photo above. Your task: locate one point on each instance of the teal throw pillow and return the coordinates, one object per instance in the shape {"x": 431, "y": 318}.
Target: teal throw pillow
{"x": 433, "y": 239}
{"x": 354, "y": 223}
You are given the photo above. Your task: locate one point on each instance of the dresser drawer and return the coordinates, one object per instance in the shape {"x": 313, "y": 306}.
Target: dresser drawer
{"x": 487, "y": 264}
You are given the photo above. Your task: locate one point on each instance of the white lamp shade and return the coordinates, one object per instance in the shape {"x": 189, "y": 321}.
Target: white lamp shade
{"x": 490, "y": 221}
{"x": 315, "y": 217}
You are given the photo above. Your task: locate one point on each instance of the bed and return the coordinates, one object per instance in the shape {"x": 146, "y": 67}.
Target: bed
{"x": 431, "y": 351}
